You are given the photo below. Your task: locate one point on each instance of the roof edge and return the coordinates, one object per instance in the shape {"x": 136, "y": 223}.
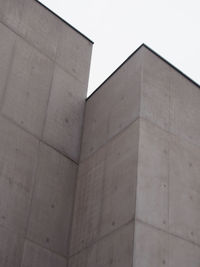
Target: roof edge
{"x": 64, "y": 21}
{"x": 155, "y": 53}
{"x": 114, "y": 71}
{"x": 171, "y": 65}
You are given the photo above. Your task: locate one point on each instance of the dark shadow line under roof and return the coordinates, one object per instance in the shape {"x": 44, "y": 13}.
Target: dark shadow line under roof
{"x": 155, "y": 53}
{"x": 64, "y": 21}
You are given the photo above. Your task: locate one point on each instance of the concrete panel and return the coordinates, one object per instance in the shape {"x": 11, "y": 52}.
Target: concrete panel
{"x": 40, "y": 27}
{"x": 11, "y": 12}
{"x": 52, "y": 203}
{"x": 113, "y": 107}
{"x": 113, "y": 250}
{"x": 11, "y": 248}
{"x": 118, "y": 200}
{"x": 63, "y": 126}
{"x": 105, "y": 201}
{"x": 74, "y": 54}
{"x": 89, "y": 193}
{"x": 28, "y": 88}
{"x": 96, "y": 121}
{"x": 152, "y": 181}
{"x": 18, "y": 152}
{"x": 155, "y": 95}
{"x": 6, "y": 49}
{"x": 184, "y": 108}
{"x": 151, "y": 247}
{"x": 184, "y": 189}
{"x": 35, "y": 256}
{"x": 183, "y": 253}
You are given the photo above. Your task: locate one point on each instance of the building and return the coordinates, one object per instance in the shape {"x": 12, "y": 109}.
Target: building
{"x": 111, "y": 181}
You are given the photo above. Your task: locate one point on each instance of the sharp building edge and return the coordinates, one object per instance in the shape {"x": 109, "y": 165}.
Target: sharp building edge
{"x": 111, "y": 181}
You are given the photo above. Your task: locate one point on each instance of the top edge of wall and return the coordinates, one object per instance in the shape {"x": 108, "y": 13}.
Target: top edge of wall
{"x": 155, "y": 53}
{"x": 65, "y": 21}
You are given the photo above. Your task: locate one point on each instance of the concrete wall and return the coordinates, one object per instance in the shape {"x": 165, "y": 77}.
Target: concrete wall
{"x": 133, "y": 193}
{"x": 104, "y": 212}
{"x": 138, "y": 195}
{"x": 44, "y": 70}
{"x": 168, "y": 187}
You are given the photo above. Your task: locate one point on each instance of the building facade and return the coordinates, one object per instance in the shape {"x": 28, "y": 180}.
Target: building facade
{"x": 113, "y": 180}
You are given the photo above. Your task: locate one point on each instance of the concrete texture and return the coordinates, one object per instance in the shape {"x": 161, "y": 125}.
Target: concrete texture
{"x": 114, "y": 250}
{"x": 63, "y": 125}
{"x": 152, "y": 181}
{"x": 35, "y": 256}
{"x": 128, "y": 193}
{"x": 52, "y": 202}
{"x": 184, "y": 198}
{"x": 119, "y": 194}
{"x": 153, "y": 247}
{"x": 6, "y": 48}
{"x": 183, "y": 253}
{"x": 88, "y": 199}
{"x": 150, "y": 246}
{"x": 11, "y": 248}
{"x": 155, "y": 89}
{"x": 77, "y": 61}
{"x": 184, "y": 111}
{"x": 40, "y": 28}
{"x": 42, "y": 101}
{"x": 119, "y": 100}
{"x": 159, "y": 163}
{"x": 28, "y": 88}
{"x": 11, "y": 12}
{"x": 104, "y": 201}
{"x": 18, "y": 158}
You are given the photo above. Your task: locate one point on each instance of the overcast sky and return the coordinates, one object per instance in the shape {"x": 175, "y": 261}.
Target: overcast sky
{"x": 118, "y": 27}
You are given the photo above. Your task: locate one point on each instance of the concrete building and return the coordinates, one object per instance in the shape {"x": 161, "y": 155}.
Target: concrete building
{"x": 131, "y": 197}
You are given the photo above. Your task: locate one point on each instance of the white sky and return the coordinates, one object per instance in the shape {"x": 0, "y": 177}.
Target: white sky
{"x": 118, "y": 27}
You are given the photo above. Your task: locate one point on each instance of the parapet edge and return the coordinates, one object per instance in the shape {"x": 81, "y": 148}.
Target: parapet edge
{"x": 64, "y": 21}
{"x": 155, "y": 53}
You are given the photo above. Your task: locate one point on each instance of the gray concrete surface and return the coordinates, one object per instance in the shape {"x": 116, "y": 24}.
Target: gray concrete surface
{"x": 11, "y": 248}
{"x": 153, "y": 247}
{"x": 183, "y": 253}
{"x": 104, "y": 200}
{"x": 44, "y": 70}
{"x": 63, "y": 127}
{"x": 11, "y": 12}
{"x": 155, "y": 89}
{"x": 6, "y": 51}
{"x": 35, "y": 256}
{"x": 153, "y": 180}
{"x": 115, "y": 249}
{"x": 77, "y": 62}
{"x": 133, "y": 199}
{"x": 28, "y": 88}
{"x": 159, "y": 164}
{"x": 52, "y": 201}
{"x": 184, "y": 188}
{"x": 150, "y": 246}
{"x": 18, "y": 159}
{"x": 119, "y": 99}
{"x": 184, "y": 109}
{"x": 41, "y": 28}
{"x": 88, "y": 200}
